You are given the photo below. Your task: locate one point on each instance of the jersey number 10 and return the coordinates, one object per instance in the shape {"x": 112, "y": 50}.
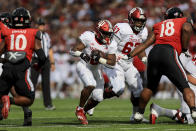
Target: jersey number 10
{"x": 167, "y": 28}
{"x": 15, "y": 43}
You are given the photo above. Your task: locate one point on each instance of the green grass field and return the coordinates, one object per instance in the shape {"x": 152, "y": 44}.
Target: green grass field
{"x": 110, "y": 115}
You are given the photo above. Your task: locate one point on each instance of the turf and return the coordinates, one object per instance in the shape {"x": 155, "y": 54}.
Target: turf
{"x": 110, "y": 115}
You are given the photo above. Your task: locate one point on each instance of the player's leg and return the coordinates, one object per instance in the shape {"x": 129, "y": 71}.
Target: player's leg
{"x": 153, "y": 78}
{"x": 26, "y": 110}
{"x": 5, "y": 86}
{"x": 89, "y": 82}
{"x": 97, "y": 94}
{"x": 134, "y": 83}
{"x": 24, "y": 88}
{"x": 24, "y": 95}
{"x": 117, "y": 80}
{"x": 157, "y": 111}
{"x": 178, "y": 76}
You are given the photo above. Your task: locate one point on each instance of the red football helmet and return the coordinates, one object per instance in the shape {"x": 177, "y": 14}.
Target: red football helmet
{"x": 104, "y": 31}
{"x": 137, "y": 19}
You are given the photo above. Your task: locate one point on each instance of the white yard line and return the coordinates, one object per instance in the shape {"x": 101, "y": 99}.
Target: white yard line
{"x": 173, "y": 129}
{"x": 145, "y": 128}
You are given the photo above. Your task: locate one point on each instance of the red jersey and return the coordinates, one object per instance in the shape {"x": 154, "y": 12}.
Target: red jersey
{"x": 169, "y": 32}
{"x": 20, "y": 40}
{"x": 2, "y": 26}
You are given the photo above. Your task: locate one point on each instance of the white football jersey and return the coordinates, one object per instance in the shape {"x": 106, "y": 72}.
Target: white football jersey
{"x": 91, "y": 43}
{"x": 189, "y": 63}
{"x": 127, "y": 40}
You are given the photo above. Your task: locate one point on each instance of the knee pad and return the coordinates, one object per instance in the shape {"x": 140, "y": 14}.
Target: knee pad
{"x": 136, "y": 88}
{"x": 97, "y": 95}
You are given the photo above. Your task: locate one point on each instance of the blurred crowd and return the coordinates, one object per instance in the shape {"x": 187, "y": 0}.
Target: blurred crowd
{"x": 67, "y": 19}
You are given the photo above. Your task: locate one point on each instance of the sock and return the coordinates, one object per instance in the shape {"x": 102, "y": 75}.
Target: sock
{"x": 26, "y": 109}
{"x": 165, "y": 112}
{"x": 135, "y": 109}
{"x": 12, "y": 100}
{"x": 141, "y": 111}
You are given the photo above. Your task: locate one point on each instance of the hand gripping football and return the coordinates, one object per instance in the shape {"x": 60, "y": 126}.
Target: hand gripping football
{"x": 95, "y": 55}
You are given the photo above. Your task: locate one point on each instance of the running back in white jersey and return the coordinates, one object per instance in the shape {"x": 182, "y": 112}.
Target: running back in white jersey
{"x": 127, "y": 40}
{"x": 91, "y": 73}
{"x": 91, "y": 43}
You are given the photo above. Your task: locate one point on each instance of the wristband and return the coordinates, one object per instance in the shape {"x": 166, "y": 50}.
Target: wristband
{"x": 103, "y": 61}
{"x": 75, "y": 53}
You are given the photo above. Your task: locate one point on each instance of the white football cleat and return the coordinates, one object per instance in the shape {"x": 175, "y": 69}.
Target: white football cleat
{"x": 132, "y": 120}
{"x": 90, "y": 112}
{"x": 193, "y": 114}
{"x": 138, "y": 117}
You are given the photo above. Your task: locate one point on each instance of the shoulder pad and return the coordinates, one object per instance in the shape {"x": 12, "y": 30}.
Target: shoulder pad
{"x": 86, "y": 36}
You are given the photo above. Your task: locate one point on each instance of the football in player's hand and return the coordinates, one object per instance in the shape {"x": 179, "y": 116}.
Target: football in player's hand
{"x": 95, "y": 55}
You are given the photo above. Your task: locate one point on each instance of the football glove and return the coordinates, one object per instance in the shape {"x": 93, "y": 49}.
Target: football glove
{"x": 85, "y": 57}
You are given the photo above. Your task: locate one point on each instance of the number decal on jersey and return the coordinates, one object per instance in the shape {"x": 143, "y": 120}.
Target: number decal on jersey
{"x": 169, "y": 30}
{"x": 116, "y": 29}
{"x": 16, "y": 44}
{"x": 127, "y": 48}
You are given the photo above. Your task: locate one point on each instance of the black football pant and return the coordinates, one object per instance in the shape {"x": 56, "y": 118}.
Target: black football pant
{"x": 164, "y": 60}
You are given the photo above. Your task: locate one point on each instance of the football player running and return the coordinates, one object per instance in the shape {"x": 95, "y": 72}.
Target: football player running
{"x": 126, "y": 36}
{"x": 183, "y": 115}
{"x": 17, "y": 60}
{"x": 95, "y": 50}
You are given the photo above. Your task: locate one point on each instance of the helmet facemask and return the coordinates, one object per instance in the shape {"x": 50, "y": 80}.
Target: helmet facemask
{"x": 21, "y": 18}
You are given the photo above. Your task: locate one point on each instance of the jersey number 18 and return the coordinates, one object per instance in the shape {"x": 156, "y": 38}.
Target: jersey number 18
{"x": 167, "y": 29}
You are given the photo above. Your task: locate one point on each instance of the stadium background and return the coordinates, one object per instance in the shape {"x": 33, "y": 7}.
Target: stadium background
{"x": 67, "y": 19}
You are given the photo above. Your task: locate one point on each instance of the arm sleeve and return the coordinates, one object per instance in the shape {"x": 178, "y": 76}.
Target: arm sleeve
{"x": 38, "y": 35}
{"x": 41, "y": 56}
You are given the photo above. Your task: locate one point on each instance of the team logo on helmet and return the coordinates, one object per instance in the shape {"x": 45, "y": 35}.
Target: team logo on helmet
{"x": 104, "y": 31}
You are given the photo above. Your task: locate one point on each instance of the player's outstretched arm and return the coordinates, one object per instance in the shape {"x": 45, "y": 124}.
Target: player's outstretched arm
{"x": 77, "y": 51}
{"x": 150, "y": 40}
{"x": 186, "y": 35}
{"x": 191, "y": 79}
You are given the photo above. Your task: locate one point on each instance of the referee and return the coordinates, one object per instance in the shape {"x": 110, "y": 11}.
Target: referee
{"x": 45, "y": 69}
